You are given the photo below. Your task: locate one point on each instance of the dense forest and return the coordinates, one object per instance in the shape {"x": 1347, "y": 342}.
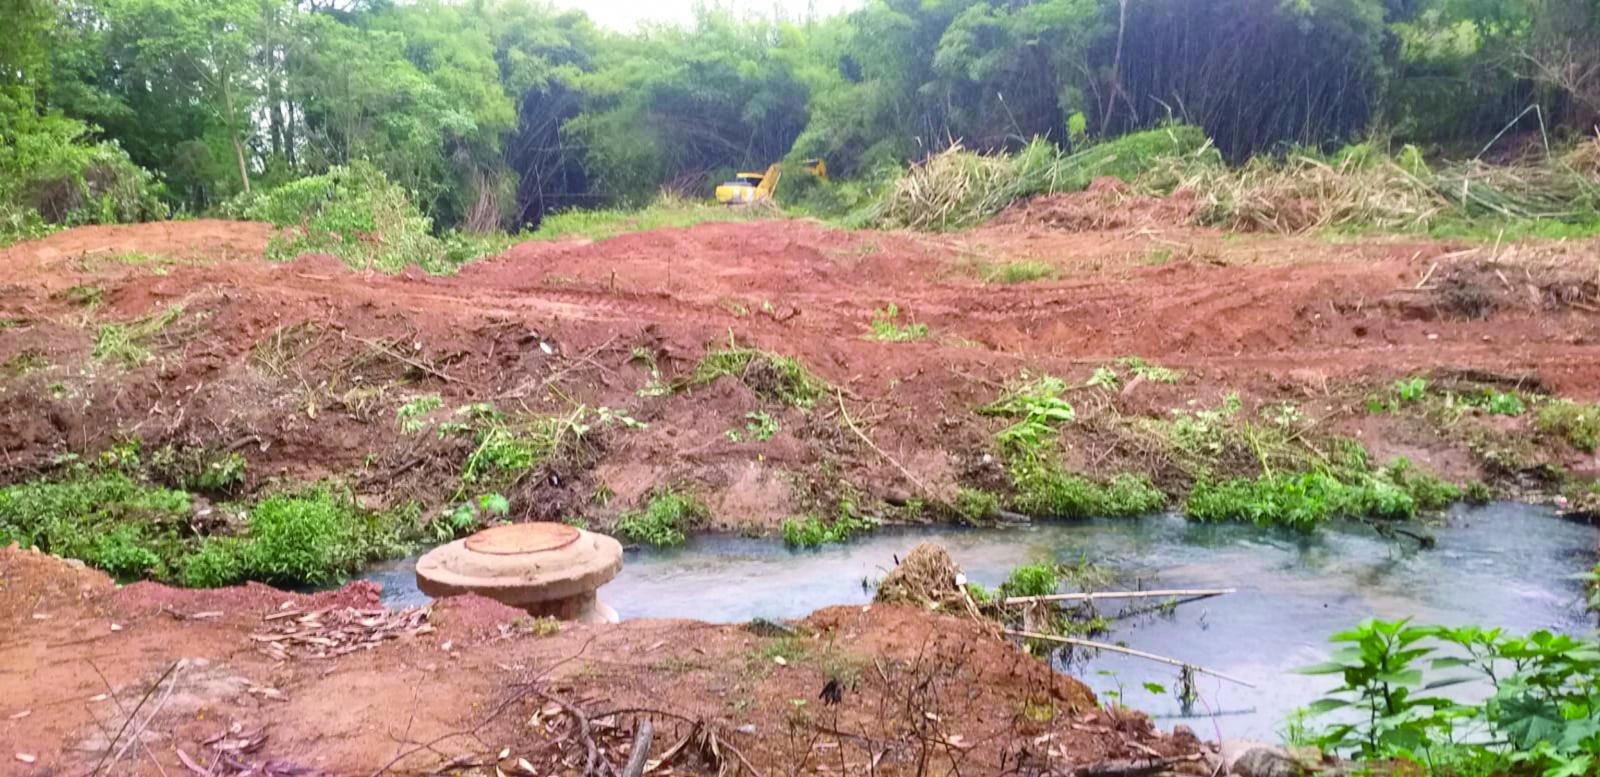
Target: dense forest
{"x": 491, "y": 113}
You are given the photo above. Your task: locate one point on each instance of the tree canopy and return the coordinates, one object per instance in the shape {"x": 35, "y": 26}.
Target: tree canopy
{"x": 492, "y": 112}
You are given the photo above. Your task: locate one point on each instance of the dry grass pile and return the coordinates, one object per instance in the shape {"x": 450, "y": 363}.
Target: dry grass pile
{"x": 959, "y": 188}
{"x": 1362, "y": 187}
{"x": 1303, "y": 193}
{"x": 926, "y": 577}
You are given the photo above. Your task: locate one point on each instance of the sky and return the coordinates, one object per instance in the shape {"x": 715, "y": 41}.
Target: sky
{"x": 625, "y": 15}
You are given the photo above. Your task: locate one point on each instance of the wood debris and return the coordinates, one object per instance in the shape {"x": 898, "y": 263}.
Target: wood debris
{"x": 336, "y": 631}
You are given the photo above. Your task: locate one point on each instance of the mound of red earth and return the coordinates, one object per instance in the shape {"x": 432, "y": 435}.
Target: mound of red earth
{"x": 150, "y": 680}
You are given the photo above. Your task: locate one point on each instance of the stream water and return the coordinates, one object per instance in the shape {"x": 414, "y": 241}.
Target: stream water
{"x": 1506, "y": 565}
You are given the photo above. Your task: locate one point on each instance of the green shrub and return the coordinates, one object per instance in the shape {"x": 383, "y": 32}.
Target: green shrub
{"x": 1043, "y": 490}
{"x": 51, "y": 174}
{"x": 1577, "y": 423}
{"x": 1039, "y": 579}
{"x": 810, "y": 531}
{"x": 976, "y": 506}
{"x": 105, "y": 518}
{"x": 1306, "y": 500}
{"x": 353, "y": 212}
{"x": 1429, "y": 492}
{"x": 303, "y": 538}
{"x": 218, "y": 562}
{"x": 664, "y": 519}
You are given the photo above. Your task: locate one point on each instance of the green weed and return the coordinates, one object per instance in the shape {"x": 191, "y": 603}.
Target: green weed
{"x": 664, "y": 519}
{"x": 886, "y": 327}
{"x": 1150, "y": 372}
{"x": 24, "y": 363}
{"x": 127, "y": 344}
{"x": 1577, "y": 423}
{"x": 1044, "y": 490}
{"x": 411, "y": 414}
{"x": 810, "y": 531}
{"x": 778, "y": 378}
{"x": 975, "y": 506}
{"x": 1022, "y": 271}
{"x": 1037, "y": 579}
{"x": 759, "y": 427}
{"x": 1039, "y": 408}
{"x": 105, "y": 518}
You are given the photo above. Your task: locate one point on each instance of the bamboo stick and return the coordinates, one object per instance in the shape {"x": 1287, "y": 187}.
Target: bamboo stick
{"x": 1088, "y": 597}
{"x": 1129, "y": 651}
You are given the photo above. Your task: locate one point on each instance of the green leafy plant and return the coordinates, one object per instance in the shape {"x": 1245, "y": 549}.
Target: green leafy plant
{"x": 774, "y": 377}
{"x": 976, "y": 506}
{"x": 411, "y": 414}
{"x": 886, "y": 327}
{"x": 664, "y": 518}
{"x": 1020, "y": 271}
{"x": 810, "y": 531}
{"x": 1150, "y": 372}
{"x": 1576, "y": 422}
{"x": 759, "y": 426}
{"x": 1039, "y": 408}
{"x": 1037, "y": 579}
{"x": 1380, "y": 664}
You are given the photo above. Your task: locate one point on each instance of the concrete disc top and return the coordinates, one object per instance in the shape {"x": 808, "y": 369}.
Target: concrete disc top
{"x": 522, "y": 538}
{"x": 521, "y": 564}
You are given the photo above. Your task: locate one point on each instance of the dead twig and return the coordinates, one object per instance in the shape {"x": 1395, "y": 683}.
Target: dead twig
{"x": 393, "y": 354}
{"x": 1126, "y": 651}
{"x": 134, "y": 714}
{"x": 845, "y": 414}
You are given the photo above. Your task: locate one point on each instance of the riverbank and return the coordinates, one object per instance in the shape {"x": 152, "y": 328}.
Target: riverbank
{"x": 235, "y": 677}
{"x": 772, "y": 377}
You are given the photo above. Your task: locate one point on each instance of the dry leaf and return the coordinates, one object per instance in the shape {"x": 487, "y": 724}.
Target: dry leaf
{"x": 26, "y": 758}
{"x": 505, "y": 752}
{"x": 20, "y": 715}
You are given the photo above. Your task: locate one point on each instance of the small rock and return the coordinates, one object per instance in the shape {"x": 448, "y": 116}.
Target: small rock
{"x": 748, "y": 728}
{"x": 1246, "y": 758}
{"x": 26, "y": 758}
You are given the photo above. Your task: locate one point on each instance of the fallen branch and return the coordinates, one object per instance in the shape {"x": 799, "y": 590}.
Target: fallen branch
{"x": 393, "y": 354}
{"x": 1089, "y": 597}
{"x": 640, "y": 752}
{"x": 926, "y": 492}
{"x": 1127, "y": 651}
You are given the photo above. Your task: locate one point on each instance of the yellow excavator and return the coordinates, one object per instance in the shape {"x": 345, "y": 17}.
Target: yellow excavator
{"x": 747, "y": 188}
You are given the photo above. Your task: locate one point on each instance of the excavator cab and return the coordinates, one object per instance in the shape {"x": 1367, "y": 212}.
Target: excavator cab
{"x": 748, "y": 188}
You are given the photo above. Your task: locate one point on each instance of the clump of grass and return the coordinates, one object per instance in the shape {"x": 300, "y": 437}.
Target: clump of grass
{"x": 887, "y": 328}
{"x": 666, "y": 212}
{"x": 1304, "y": 501}
{"x": 1037, "y": 579}
{"x": 1043, "y": 490}
{"x": 811, "y": 531}
{"x": 778, "y": 378}
{"x": 976, "y": 506}
{"x": 1576, "y": 422}
{"x": 127, "y": 344}
{"x": 664, "y": 518}
{"x": 24, "y": 363}
{"x": 1150, "y": 372}
{"x": 1021, "y": 271}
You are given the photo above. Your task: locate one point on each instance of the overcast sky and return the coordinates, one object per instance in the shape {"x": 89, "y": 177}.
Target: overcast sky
{"x": 624, "y": 15}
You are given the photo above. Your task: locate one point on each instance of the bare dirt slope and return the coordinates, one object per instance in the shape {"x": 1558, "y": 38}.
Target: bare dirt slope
{"x": 179, "y": 333}
{"x": 232, "y": 682}
{"x": 301, "y": 366}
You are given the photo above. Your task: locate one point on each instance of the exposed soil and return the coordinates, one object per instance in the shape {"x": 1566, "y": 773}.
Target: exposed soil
{"x": 301, "y": 367}
{"x": 918, "y": 692}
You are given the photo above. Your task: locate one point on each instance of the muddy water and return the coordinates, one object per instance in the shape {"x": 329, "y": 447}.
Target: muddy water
{"x": 1505, "y": 565}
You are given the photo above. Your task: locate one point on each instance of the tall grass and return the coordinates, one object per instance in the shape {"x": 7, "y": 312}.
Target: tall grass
{"x": 959, "y": 188}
